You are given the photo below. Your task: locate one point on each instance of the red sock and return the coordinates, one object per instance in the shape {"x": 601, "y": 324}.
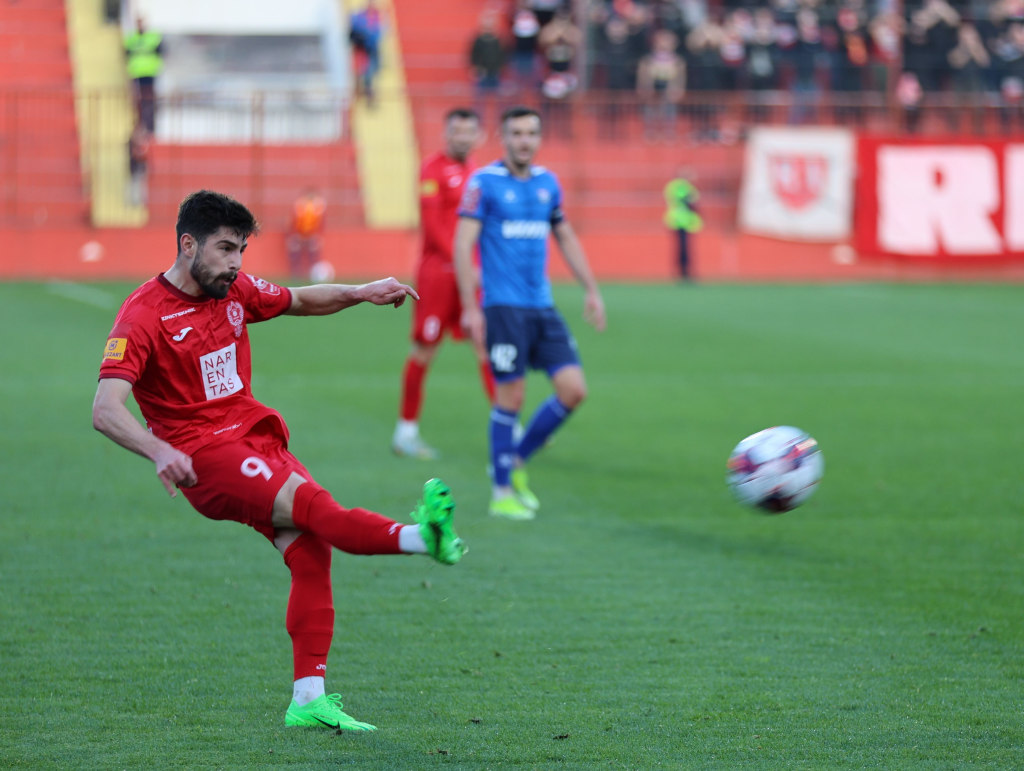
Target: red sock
{"x": 310, "y": 615}
{"x": 356, "y": 531}
{"x": 412, "y": 389}
{"x": 487, "y": 377}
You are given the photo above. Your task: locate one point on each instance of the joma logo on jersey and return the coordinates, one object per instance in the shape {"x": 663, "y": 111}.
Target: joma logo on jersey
{"x": 525, "y": 229}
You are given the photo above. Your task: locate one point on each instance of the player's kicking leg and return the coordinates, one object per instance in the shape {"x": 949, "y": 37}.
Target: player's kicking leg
{"x": 433, "y": 514}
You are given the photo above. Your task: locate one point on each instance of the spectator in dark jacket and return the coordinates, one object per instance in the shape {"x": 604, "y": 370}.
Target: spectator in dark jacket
{"x": 618, "y": 76}
{"x": 761, "y": 68}
{"x": 807, "y": 59}
{"x": 486, "y": 61}
{"x": 849, "y": 65}
{"x": 970, "y": 63}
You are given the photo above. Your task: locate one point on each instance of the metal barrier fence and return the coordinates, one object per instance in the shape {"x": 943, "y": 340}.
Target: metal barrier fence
{"x": 724, "y": 116}
{"x": 40, "y": 170}
{"x": 64, "y": 159}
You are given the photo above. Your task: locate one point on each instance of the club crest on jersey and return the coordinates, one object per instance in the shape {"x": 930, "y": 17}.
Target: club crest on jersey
{"x": 236, "y": 316}
{"x": 543, "y": 195}
{"x": 471, "y": 196}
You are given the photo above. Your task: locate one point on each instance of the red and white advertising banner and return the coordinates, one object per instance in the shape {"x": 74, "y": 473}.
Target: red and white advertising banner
{"x": 798, "y": 183}
{"x": 948, "y": 199}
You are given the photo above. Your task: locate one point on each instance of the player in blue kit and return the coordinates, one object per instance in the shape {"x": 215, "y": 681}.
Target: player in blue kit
{"x": 509, "y": 208}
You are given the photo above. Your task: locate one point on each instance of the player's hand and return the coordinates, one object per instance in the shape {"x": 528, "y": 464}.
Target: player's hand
{"x": 593, "y": 311}
{"x": 474, "y": 325}
{"x": 174, "y": 469}
{"x": 387, "y": 291}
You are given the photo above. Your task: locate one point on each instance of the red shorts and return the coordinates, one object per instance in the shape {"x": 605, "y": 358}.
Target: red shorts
{"x": 439, "y": 309}
{"x": 239, "y": 480}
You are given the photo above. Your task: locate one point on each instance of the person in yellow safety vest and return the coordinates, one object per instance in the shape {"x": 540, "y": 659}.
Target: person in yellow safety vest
{"x": 682, "y": 217}
{"x": 143, "y": 49}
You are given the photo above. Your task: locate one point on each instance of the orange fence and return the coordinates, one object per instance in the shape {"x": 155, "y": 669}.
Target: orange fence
{"x": 612, "y": 153}
{"x": 263, "y": 149}
{"x": 41, "y": 180}
{"x": 263, "y": 146}
{"x": 613, "y": 157}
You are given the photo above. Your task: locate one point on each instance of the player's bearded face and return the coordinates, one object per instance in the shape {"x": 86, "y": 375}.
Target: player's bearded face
{"x": 215, "y": 281}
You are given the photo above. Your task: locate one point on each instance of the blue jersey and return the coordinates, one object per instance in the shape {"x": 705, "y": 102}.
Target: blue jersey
{"x": 516, "y": 217}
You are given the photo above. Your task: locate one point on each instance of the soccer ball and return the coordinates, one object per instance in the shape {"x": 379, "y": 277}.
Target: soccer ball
{"x": 775, "y": 470}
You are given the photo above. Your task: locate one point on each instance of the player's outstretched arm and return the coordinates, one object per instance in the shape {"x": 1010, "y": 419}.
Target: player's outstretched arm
{"x": 112, "y": 418}
{"x": 324, "y": 299}
{"x": 572, "y": 252}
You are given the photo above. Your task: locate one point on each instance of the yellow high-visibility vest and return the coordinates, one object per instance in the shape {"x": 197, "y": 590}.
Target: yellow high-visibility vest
{"x": 144, "y": 60}
{"x": 680, "y": 195}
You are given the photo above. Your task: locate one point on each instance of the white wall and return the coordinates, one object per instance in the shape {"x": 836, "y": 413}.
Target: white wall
{"x": 293, "y": 106}
{"x": 234, "y": 17}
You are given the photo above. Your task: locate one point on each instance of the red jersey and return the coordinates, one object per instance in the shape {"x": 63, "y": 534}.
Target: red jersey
{"x": 442, "y": 180}
{"x": 188, "y": 358}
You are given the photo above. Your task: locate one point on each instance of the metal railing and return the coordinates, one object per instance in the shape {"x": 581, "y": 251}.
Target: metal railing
{"x": 64, "y": 158}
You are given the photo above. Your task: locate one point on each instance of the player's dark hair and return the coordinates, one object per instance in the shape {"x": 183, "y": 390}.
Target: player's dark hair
{"x": 204, "y": 212}
{"x": 461, "y": 113}
{"x": 518, "y": 112}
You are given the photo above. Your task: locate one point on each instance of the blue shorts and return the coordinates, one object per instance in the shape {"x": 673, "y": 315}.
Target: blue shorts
{"x": 518, "y": 338}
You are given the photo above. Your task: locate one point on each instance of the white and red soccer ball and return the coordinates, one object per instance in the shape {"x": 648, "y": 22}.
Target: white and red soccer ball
{"x": 775, "y": 470}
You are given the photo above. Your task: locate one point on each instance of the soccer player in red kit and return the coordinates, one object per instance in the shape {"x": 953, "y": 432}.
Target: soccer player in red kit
{"x": 442, "y": 180}
{"x": 180, "y": 347}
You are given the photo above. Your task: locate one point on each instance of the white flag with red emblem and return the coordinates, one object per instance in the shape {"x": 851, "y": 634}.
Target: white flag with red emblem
{"x": 798, "y": 183}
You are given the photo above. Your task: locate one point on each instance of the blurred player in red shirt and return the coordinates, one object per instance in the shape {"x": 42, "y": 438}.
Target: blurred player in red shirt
{"x": 442, "y": 180}
{"x": 180, "y": 347}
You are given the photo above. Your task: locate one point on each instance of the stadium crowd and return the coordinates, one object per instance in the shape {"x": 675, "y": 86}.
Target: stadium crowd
{"x": 944, "y": 52}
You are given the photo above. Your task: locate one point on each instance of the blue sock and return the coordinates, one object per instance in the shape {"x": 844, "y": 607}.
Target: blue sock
{"x": 548, "y": 417}
{"x": 503, "y": 451}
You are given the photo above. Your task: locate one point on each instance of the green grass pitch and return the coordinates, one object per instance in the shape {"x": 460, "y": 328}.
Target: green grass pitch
{"x": 644, "y": 620}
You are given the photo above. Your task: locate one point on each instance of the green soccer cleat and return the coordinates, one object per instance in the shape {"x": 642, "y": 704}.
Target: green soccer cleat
{"x": 324, "y": 712}
{"x": 510, "y": 507}
{"x": 520, "y": 486}
{"x": 434, "y": 516}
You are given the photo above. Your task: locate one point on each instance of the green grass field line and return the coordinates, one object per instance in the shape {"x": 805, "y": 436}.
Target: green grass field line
{"x": 644, "y": 620}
